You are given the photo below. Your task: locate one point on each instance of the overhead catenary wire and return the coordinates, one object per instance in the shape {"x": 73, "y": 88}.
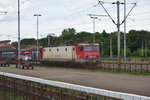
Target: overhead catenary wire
{"x": 101, "y": 3}
{"x": 81, "y": 11}
{"x": 128, "y": 13}
{"x": 15, "y": 5}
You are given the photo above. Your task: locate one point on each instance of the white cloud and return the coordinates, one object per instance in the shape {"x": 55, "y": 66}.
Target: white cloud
{"x": 59, "y": 14}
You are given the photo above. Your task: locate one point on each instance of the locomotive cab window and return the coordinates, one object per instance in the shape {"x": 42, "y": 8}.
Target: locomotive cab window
{"x": 80, "y": 48}
{"x": 88, "y": 48}
{"x": 95, "y": 48}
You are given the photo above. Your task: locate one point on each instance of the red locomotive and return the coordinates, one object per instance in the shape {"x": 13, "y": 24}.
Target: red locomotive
{"x": 85, "y": 55}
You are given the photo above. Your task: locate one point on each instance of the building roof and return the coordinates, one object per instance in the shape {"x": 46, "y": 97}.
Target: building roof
{"x": 4, "y": 42}
{"x": 7, "y": 48}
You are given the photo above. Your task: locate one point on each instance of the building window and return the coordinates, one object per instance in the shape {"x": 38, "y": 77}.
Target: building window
{"x": 57, "y": 49}
{"x": 65, "y": 49}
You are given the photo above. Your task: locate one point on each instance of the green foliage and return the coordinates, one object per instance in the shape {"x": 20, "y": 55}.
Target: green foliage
{"x": 138, "y": 53}
{"x": 69, "y": 36}
{"x": 128, "y": 52}
{"x": 30, "y": 41}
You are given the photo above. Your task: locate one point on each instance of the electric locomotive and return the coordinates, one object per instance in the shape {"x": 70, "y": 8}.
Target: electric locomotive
{"x": 81, "y": 55}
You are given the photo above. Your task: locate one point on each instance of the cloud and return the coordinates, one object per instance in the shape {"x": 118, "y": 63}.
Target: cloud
{"x": 60, "y": 14}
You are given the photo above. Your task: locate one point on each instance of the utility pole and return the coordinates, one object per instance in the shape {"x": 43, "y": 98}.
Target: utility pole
{"x": 49, "y": 38}
{"x": 111, "y": 52}
{"x": 146, "y": 46}
{"x": 37, "y": 52}
{"x": 19, "y": 58}
{"x": 118, "y": 27}
{"x": 125, "y": 45}
{"x": 102, "y": 48}
{"x": 142, "y": 49}
{"x": 94, "y": 17}
{"x": 48, "y": 42}
{"x": 93, "y": 28}
{"x": 118, "y": 24}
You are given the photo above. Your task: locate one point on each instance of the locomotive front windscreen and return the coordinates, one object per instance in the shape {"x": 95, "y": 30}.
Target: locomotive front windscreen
{"x": 91, "y": 48}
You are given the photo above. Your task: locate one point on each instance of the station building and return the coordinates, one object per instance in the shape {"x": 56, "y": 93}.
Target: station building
{"x": 9, "y": 52}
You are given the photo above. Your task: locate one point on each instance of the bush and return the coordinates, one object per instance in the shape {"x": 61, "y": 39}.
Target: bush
{"x": 138, "y": 53}
{"x": 128, "y": 52}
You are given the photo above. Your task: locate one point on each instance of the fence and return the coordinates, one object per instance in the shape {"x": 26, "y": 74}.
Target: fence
{"x": 126, "y": 66}
{"x": 30, "y": 88}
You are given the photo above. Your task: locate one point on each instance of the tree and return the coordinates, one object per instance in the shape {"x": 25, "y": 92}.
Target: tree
{"x": 68, "y": 34}
{"x": 30, "y": 41}
{"x": 83, "y": 36}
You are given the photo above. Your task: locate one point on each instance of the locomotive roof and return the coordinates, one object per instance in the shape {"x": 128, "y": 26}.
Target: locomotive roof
{"x": 73, "y": 45}
{"x": 88, "y": 44}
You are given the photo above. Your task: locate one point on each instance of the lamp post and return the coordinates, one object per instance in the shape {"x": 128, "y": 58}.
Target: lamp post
{"x": 18, "y": 34}
{"x": 94, "y": 28}
{"x": 125, "y": 30}
{"x": 93, "y": 17}
{"x": 37, "y": 52}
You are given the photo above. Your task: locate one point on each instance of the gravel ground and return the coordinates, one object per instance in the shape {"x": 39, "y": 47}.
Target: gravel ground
{"x": 117, "y": 82}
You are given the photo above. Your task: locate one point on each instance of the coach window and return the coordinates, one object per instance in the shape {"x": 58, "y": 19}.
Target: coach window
{"x": 65, "y": 49}
{"x": 57, "y": 49}
{"x": 73, "y": 49}
{"x": 49, "y": 49}
{"x": 44, "y": 50}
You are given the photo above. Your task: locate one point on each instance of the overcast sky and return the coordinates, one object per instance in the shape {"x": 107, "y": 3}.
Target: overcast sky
{"x": 60, "y": 14}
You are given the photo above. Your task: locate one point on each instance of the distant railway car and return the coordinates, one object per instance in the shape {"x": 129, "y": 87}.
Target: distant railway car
{"x": 76, "y": 53}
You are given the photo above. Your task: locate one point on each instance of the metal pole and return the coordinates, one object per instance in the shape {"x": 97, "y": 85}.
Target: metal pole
{"x": 142, "y": 50}
{"x": 125, "y": 29}
{"x": 94, "y": 29}
{"x": 48, "y": 40}
{"x": 146, "y": 48}
{"x": 18, "y": 34}
{"x": 102, "y": 49}
{"x": 111, "y": 53}
{"x": 37, "y": 52}
{"x": 118, "y": 28}
{"x": 37, "y": 40}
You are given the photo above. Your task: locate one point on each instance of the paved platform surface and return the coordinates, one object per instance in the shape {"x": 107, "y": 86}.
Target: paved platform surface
{"x": 134, "y": 84}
